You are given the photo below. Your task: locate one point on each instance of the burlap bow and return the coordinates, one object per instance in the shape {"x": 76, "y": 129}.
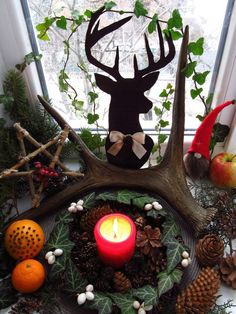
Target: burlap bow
{"x": 117, "y": 138}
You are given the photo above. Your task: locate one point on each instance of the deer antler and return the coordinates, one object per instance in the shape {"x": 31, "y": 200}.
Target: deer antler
{"x": 166, "y": 179}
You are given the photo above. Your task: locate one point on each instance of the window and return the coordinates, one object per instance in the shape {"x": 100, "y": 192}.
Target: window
{"x": 130, "y": 40}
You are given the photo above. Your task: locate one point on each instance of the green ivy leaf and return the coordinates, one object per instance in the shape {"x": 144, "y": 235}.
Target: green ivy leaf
{"x": 88, "y": 13}
{"x": 101, "y": 303}
{"x": 143, "y": 200}
{"x": 124, "y": 302}
{"x": 163, "y": 93}
{"x": 73, "y": 280}
{"x": 199, "y": 117}
{"x": 153, "y": 24}
{"x": 174, "y": 252}
{"x": 155, "y": 213}
{"x": 195, "y": 92}
{"x": 175, "y": 35}
{"x": 163, "y": 123}
{"x": 166, "y": 281}
{"x": 58, "y": 267}
{"x": 189, "y": 68}
{"x": 93, "y": 96}
{"x": 125, "y": 196}
{"x": 89, "y": 200}
{"x": 92, "y": 118}
{"x": 220, "y": 131}
{"x": 78, "y": 104}
{"x": 175, "y": 21}
{"x": 106, "y": 196}
{"x": 196, "y": 47}
{"x": 63, "y": 85}
{"x": 200, "y": 78}
{"x": 167, "y": 105}
{"x": 157, "y": 111}
{"x": 64, "y": 217}
{"x": 139, "y": 9}
{"x": 170, "y": 230}
{"x": 62, "y": 22}
{"x": 147, "y": 294}
{"x": 109, "y": 5}
{"x": 59, "y": 238}
{"x": 161, "y": 138}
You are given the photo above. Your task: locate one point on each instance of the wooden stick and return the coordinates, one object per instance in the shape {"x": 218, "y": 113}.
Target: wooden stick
{"x": 26, "y": 134}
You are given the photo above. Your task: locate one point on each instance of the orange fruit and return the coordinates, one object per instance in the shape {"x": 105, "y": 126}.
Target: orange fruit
{"x": 24, "y": 239}
{"x": 28, "y": 276}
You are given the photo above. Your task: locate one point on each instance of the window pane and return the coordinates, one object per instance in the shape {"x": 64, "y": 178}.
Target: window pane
{"x": 129, "y": 38}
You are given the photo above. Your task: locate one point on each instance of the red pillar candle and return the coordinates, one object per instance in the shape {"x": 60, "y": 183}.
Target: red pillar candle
{"x": 115, "y": 236}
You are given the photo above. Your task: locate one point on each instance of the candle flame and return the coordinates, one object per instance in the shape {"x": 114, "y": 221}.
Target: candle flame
{"x": 115, "y": 228}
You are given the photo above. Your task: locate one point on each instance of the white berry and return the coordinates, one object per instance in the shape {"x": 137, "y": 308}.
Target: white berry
{"x": 81, "y": 298}
{"x": 51, "y": 259}
{"x": 136, "y": 305}
{"x": 157, "y": 205}
{"x": 185, "y": 254}
{"x": 79, "y": 207}
{"x": 71, "y": 209}
{"x": 148, "y": 206}
{"x": 89, "y": 288}
{"x": 50, "y": 253}
{"x": 80, "y": 202}
{"x": 58, "y": 252}
{"x": 185, "y": 262}
{"x": 89, "y": 295}
{"x": 141, "y": 311}
{"x": 148, "y": 307}
{"x": 73, "y": 204}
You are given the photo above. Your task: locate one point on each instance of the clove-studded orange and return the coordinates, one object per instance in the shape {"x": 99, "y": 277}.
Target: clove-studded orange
{"x": 24, "y": 239}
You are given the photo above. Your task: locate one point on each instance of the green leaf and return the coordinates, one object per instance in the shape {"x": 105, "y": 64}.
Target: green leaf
{"x": 32, "y": 57}
{"x": 101, "y": 303}
{"x": 157, "y": 111}
{"x": 195, "y": 92}
{"x": 124, "y": 302}
{"x": 89, "y": 200}
{"x": 43, "y": 36}
{"x": 163, "y": 93}
{"x": 189, "y": 68}
{"x": 166, "y": 105}
{"x": 174, "y": 252}
{"x": 78, "y": 104}
{"x": 153, "y": 24}
{"x": 139, "y": 9}
{"x": 58, "y": 267}
{"x": 200, "y": 78}
{"x": 74, "y": 282}
{"x": 161, "y": 138}
{"x": 106, "y": 196}
{"x": 175, "y": 21}
{"x": 147, "y": 294}
{"x": 59, "y": 239}
{"x": 125, "y": 196}
{"x": 196, "y": 48}
{"x": 155, "y": 213}
{"x": 88, "y": 13}
{"x": 199, "y": 117}
{"x": 170, "y": 230}
{"x": 166, "y": 281}
{"x": 220, "y": 131}
{"x": 143, "y": 200}
{"x": 63, "y": 85}
{"x": 92, "y": 118}
{"x": 175, "y": 35}
{"x": 163, "y": 123}
{"x": 209, "y": 99}
{"x": 93, "y": 96}
{"x": 64, "y": 217}
{"x": 109, "y": 5}
{"x": 62, "y": 22}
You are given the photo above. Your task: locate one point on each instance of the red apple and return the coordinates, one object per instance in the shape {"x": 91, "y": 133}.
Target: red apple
{"x": 223, "y": 170}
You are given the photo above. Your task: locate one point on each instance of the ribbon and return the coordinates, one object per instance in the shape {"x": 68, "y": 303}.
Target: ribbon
{"x": 117, "y": 138}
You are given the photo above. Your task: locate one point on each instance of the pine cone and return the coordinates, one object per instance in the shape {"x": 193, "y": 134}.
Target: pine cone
{"x": 228, "y": 270}
{"x": 148, "y": 239}
{"x": 210, "y": 250}
{"x": 89, "y": 219}
{"x": 199, "y": 296}
{"x": 88, "y": 251}
{"x": 121, "y": 282}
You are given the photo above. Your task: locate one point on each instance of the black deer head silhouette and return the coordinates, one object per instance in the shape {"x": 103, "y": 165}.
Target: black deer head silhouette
{"x": 126, "y": 145}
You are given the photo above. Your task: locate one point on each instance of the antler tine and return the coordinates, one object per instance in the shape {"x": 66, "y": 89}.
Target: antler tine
{"x": 163, "y": 61}
{"x": 93, "y": 35}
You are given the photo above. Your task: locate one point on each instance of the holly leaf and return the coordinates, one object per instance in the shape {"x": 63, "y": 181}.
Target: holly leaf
{"x": 64, "y": 217}
{"x": 155, "y": 213}
{"x": 153, "y": 24}
{"x": 74, "y": 282}
{"x": 139, "y": 9}
{"x": 109, "y": 5}
{"x": 89, "y": 200}
{"x": 174, "y": 251}
{"x": 101, "y": 303}
{"x": 200, "y": 78}
{"x": 175, "y": 21}
{"x": 106, "y": 196}
{"x": 58, "y": 267}
{"x": 59, "y": 238}
{"x": 125, "y": 196}
{"x": 148, "y": 295}
{"x": 196, "y": 47}
{"x": 143, "y": 200}
{"x": 170, "y": 230}
{"x": 92, "y": 118}
{"x": 195, "y": 92}
{"x": 166, "y": 281}
{"x": 62, "y": 22}
{"x": 124, "y": 302}
{"x": 189, "y": 68}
